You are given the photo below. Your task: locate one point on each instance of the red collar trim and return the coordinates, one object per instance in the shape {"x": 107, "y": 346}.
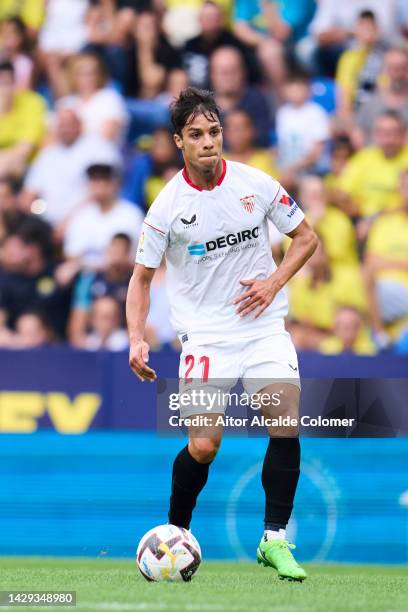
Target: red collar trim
{"x": 190, "y": 182}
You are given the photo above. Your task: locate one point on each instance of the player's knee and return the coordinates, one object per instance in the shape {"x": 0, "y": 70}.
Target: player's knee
{"x": 288, "y": 421}
{"x": 204, "y": 450}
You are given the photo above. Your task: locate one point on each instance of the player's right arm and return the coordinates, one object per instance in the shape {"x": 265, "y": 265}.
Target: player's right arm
{"x": 152, "y": 246}
{"x": 137, "y": 308}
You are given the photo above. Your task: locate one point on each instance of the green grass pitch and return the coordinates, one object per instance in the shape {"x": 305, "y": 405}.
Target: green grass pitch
{"x": 105, "y": 584}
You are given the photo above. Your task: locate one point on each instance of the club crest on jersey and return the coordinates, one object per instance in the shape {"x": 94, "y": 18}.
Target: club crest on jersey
{"x": 248, "y": 202}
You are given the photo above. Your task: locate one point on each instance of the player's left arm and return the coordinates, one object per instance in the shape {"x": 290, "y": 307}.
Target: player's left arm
{"x": 261, "y": 293}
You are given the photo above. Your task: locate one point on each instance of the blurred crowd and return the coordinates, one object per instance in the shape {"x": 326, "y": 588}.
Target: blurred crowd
{"x": 313, "y": 92}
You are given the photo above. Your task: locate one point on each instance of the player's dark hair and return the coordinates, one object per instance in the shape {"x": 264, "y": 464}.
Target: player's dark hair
{"x": 190, "y": 103}
{"x": 367, "y": 14}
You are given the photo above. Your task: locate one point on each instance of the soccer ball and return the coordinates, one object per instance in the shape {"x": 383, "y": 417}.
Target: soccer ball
{"x": 168, "y": 553}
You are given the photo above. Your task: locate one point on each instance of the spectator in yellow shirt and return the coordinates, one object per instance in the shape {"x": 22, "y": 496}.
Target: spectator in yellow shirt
{"x": 30, "y": 11}
{"x": 350, "y": 334}
{"x": 182, "y": 18}
{"x": 358, "y": 68}
{"x": 22, "y": 123}
{"x": 163, "y": 157}
{"x": 340, "y": 154}
{"x": 241, "y": 137}
{"x": 315, "y": 293}
{"x": 369, "y": 182}
{"x": 332, "y": 224}
{"x": 386, "y": 269}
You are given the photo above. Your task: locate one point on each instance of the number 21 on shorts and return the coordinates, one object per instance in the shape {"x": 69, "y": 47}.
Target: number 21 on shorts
{"x": 204, "y": 361}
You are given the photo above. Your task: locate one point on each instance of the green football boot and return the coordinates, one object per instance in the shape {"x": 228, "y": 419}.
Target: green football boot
{"x": 276, "y": 554}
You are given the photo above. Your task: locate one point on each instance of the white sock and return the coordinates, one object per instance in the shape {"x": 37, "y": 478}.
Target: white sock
{"x": 274, "y": 535}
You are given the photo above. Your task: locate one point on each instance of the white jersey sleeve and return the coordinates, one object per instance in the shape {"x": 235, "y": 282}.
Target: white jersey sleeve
{"x": 282, "y": 210}
{"x": 154, "y": 238}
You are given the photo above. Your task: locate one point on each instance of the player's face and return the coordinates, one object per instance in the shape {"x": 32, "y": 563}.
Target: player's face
{"x": 201, "y": 143}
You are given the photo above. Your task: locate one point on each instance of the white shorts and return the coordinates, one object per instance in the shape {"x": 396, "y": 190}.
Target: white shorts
{"x": 258, "y": 363}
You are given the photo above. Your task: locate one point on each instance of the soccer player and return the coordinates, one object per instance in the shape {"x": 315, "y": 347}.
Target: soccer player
{"x": 227, "y": 306}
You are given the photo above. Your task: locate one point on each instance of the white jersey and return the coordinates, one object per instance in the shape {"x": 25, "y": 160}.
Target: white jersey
{"x": 212, "y": 240}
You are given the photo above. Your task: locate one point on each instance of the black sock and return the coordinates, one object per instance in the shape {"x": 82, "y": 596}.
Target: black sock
{"x": 189, "y": 478}
{"x": 280, "y": 475}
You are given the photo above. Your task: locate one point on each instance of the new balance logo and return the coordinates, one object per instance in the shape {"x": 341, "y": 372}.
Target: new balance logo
{"x": 192, "y": 220}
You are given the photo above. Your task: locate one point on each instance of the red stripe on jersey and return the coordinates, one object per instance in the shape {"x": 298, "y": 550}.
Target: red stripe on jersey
{"x": 155, "y": 228}
{"x": 189, "y": 181}
{"x": 275, "y": 196}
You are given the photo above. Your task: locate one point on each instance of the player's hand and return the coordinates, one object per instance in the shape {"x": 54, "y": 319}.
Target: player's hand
{"x": 259, "y": 296}
{"x": 138, "y": 358}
